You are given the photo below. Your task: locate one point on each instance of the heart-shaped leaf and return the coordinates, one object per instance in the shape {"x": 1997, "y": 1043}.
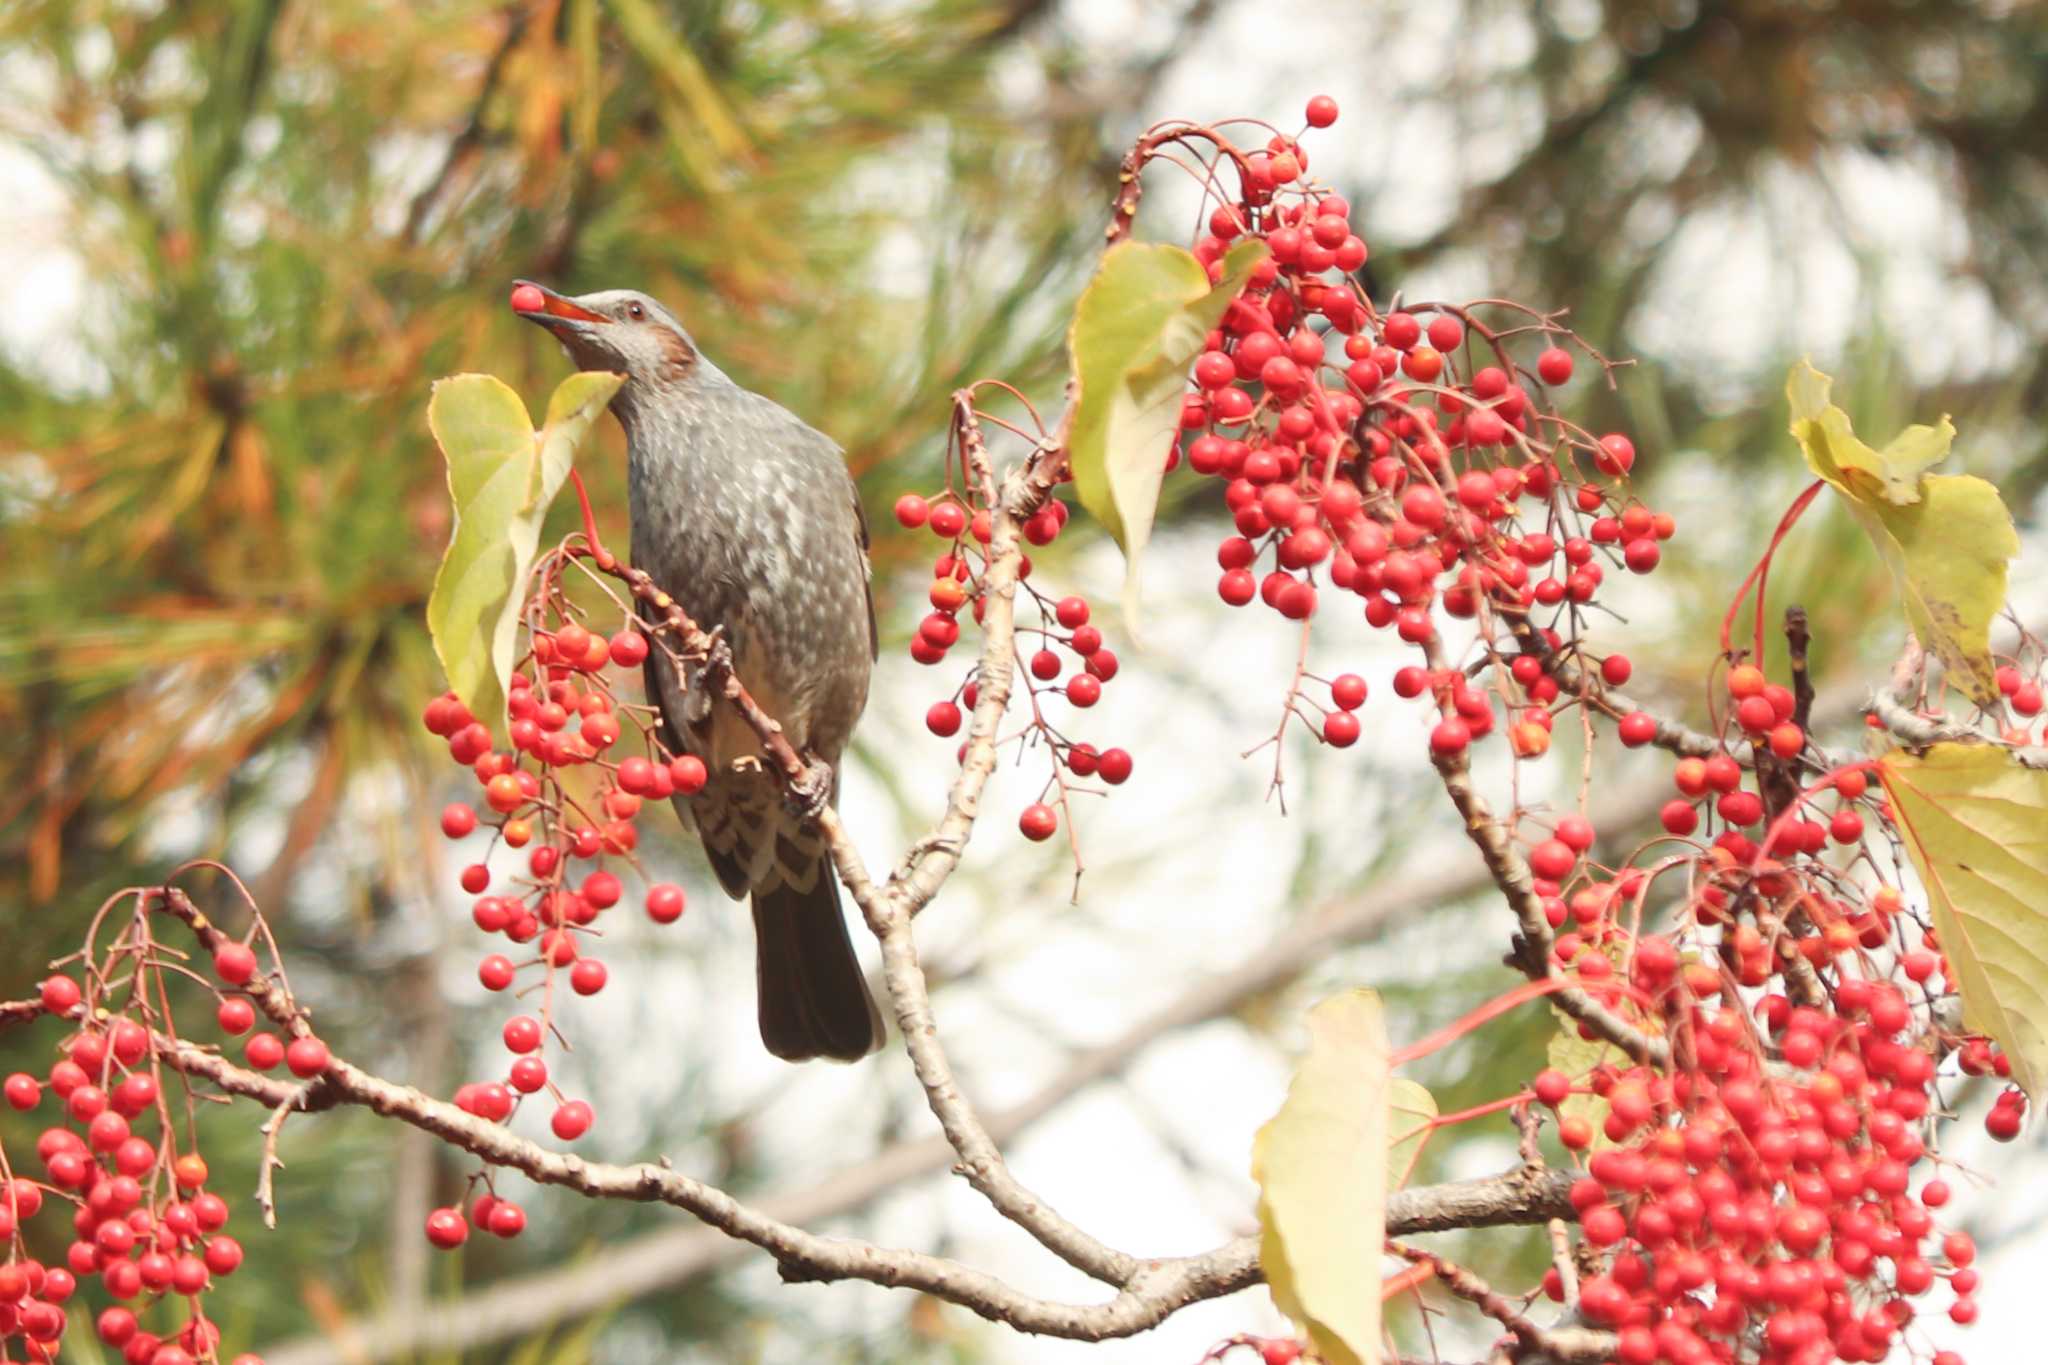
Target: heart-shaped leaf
{"x": 502, "y": 475}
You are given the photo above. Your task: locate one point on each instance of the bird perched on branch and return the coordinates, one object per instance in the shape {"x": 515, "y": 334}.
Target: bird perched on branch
{"x": 748, "y": 519}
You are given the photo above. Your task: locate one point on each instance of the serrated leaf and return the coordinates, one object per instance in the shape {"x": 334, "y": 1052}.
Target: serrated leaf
{"x": 1321, "y": 1164}
{"x": 1139, "y": 325}
{"x": 1576, "y": 1057}
{"x": 1945, "y": 537}
{"x": 502, "y": 475}
{"x": 1975, "y": 825}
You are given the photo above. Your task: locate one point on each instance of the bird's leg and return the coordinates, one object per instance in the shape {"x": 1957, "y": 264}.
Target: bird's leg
{"x": 811, "y": 793}
{"x": 697, "y": 694}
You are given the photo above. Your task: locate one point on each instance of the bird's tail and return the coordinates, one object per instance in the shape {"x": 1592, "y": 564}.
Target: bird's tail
{"x": 814, "y": 999}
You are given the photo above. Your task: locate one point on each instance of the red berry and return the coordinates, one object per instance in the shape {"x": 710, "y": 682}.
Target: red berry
{"x": 59, "y": 994}
{"x": 1552, "y": 860}
{"x": 1616, "y": 454}
{"x": 264, "y": 1051}
{"x": 1279, "y": 1351}
{"x": 496, "y": 972}
{"x": 236, "y": 962}
{"x": 526, "y": 298}
{"x": 588, "y": 976}
{"x": 522, "y": 1033}
{"x": 23, "y": 1091}
{"x": 664, "y": 902}
{"x": 528, "y": 1074}
{"x": 504, "y": 794}
{"x": 1554, "y": 366}
{"x": 507, "y": 1219}
{"x": 1679, "y": 817}
{"x": 1787, "y": 740}
{"x": 457, "y": 821}
{"x": 307, "y": 1057}
{"x": 1347, "y": 691}
{"x": 1340, "y": 729}
{"x": 912, "y": 511}
{"x": 1084, "y": 689}
{"x": 447, "y": 1228}
{"x": 943, "y": 719}
{"x": 629, "y": 649}
{"x": 948, "y": 520}
{"x": 223, "y": 1255}
{"x": 1038, "y": 821}
{"x": 1450, "y": 737}
{"x": 1322, "y": 112}
{"x": 1551, "y": 1086}
{"x": 572, "y": 1120}
{"x": 1114, "y": 766}
{"x": 689, "y": 774}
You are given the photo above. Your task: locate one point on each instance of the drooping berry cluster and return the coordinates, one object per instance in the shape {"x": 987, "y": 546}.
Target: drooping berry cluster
{"x": 567, "y": 793}
{"x": 143, "y": 1221}
{"x": 1068, "y": 667}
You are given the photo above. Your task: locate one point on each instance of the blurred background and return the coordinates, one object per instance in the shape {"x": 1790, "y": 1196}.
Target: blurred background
{"x": 241, "y": 240}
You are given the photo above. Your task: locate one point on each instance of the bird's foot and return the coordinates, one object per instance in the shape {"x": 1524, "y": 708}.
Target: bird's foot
{"x": 809, "y": 794}
{"x": 717, "y": 663}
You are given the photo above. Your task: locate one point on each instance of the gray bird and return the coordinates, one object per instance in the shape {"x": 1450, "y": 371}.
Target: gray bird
{"x": 748, "y": 518}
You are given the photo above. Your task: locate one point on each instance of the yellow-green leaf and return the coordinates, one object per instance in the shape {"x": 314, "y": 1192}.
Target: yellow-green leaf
{"x": 1975, "y": 825}
{"x": 502, "y": 475}
{"x": 1945, "y": 537}
{"x": 1139, "y": 325}
{"x": 1321, "y": 1165}
{"x": 1413, "y": 1111}
{"x": 1576, "y": 1058}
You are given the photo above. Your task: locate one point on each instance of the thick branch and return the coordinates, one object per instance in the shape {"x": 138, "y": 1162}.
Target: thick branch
{"x": 1436, "y": 876}
{"x": 1155, "y": 1288}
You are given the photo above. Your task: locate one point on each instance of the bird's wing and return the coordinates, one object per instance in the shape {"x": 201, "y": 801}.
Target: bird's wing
{"x": 867, "y": 569}
{"x": 650, "y": 680}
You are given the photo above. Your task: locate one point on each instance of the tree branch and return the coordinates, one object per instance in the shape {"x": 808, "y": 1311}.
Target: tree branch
{"x": 1154, "y": 1289}
{"x": 1911, "y": 726}
{"x": 1433, "y": 877}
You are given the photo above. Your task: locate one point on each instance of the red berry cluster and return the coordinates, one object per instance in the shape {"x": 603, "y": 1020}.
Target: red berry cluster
{"x": 1749, "y": 1198}
{"x": 1408, "y": 458}
{"x": 2022, "y": 693}
{"x": 1753, "y": 1200}
{"x": 568, "y": 791}
{"x": 142, "y": 1219}
{"x": 1070, "y": 666}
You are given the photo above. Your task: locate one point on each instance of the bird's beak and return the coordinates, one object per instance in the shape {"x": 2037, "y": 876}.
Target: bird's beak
{"x": 557, "y": 313}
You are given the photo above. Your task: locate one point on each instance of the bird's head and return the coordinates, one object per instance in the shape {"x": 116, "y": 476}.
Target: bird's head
{"x": 621, "y": 330}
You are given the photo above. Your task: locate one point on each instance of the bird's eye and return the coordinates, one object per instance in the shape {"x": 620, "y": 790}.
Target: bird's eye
{"x": 635, "y": 311}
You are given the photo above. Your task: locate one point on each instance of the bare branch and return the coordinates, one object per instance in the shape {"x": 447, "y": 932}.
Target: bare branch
{"x": 1432, "y": 878}
{"x": 1155, "y": 1288}
{"x": 1565, "y": 1345}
